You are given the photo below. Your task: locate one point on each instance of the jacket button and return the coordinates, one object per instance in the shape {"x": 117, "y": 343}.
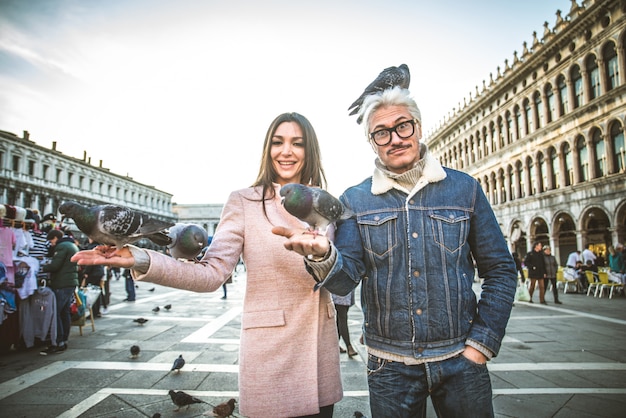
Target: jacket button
{"x": 418, "y": 311}
{"x": 420, "y": 349}
{"x": 416, "y": 273}
{"x": 414, "y": 235}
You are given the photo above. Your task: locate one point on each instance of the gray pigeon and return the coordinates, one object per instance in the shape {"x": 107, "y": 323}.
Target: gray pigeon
{"x": 387, "y": 79}
{"x": 187, "y": 240}
{"x": 178, "y": 363}
{"x": 115, "y": 225}
{"x": 313, "y": 205}
{"x": 181, "y": 399}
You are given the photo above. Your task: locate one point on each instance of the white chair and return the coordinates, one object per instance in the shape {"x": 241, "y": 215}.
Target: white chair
{"x": 569, "y": 278}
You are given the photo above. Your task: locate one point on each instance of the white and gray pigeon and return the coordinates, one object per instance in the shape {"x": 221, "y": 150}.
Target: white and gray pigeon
{"x": 116, "y": 225}
{"x": 387, "y": 79}
{"x": 178, "y": 363}
{"x": 313, "y": 205}
{"x": 187, "y": 240}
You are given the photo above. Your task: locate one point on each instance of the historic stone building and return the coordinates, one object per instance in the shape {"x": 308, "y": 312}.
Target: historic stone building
{"x": 32, "y": 176}
{"x": 545, "y": 135}
{"x": 207, "y": 216}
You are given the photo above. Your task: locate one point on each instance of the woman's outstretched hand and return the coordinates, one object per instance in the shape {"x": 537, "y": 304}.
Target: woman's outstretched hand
{"x": 303, "y": 242}
{"x": 105, "y": 255}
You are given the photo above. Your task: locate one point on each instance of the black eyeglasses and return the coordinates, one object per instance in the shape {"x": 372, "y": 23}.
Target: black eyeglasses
{"x": 404, "y": 130}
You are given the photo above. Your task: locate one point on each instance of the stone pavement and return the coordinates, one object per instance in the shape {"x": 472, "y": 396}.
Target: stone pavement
{"x": 556, "y": 360}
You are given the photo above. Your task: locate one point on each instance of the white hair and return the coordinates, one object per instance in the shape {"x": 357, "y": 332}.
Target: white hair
{"x": 396, "y": 96}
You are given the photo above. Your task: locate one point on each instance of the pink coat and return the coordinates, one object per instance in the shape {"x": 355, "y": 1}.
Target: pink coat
{"x": 289, "y": 354}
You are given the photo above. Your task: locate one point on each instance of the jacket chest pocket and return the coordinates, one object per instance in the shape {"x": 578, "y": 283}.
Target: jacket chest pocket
{"x": 450, "y": 228}
{"x": 378, "y": 233}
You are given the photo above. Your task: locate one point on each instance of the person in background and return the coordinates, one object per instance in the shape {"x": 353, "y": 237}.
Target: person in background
{"x": 130, "y": 285}
{"x": 93, "y": 275}
{"x": 588, "y": 255}
{"x": 617, "y": 265}
{"x": 551, "y": 268}
{"x": 418, "y": 228}
{"x": 342, "y": 305}
{"x": 534, "y": 262}
{"x": 288, "y": 343}
{"x": 518, "y": 266}
{"x": 63, "y": 281}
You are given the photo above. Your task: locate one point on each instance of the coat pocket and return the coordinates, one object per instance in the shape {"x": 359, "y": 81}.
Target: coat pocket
{"x": 263, "y": 319}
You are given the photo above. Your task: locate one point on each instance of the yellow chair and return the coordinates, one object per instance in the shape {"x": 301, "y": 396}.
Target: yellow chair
{"x": 609, "y": 286}
{"x": 594, "y": 282}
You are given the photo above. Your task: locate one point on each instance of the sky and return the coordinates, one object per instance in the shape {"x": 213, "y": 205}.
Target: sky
{"x": 179, "y": 94}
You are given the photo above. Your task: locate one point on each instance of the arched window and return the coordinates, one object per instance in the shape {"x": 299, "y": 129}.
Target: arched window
{"x": 569, "y": 164}
{"x": 583, "y": 159}
{"x": 593, "y": 73}
{"x": 501, "y": 133}
{"x": 564, "y": 99}
{"x": 551, "y": 108}
{"x": 502, "y": 185}
{"x": 509, "y": 127}
{"x": 598, "y": 145}
{"x": 479, "y": 142}
{"x": 511, "y": 181}
{"x": 532, "y": 180}
{"x": 518, "y": 122}
{"x": 521, "y": 189}
{"x": 528, "y": 112}
{"x": 539, "y": 108}
{"x": 619, "y": 151}
{"x": 611, "y": 67}
{"x": 554, "y": 167}
{"x": 492, "y": 137}
{"x": 543, "y": 171}
{"x": 577, "y": 82}
{"x": 472, "y": 145}
{"x": 494, "y": 189}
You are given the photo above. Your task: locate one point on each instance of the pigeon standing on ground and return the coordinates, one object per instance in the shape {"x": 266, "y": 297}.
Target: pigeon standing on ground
{"x": 181, "y": 399}
{"x": 387, "y": 79}
{"x": 156, "y": 309}
{"x": 178, "y": 363}
{"x": 168, "y": 307}
{"x": 358, "y": 414}
{"x": 134, "y": 351}
{"x": 187, "y": 241}
{"x": 116, "y": 225}
{"x": 140, "y": 321}
{"x": 313, "y": 205}
{"x": 225, "y": 409}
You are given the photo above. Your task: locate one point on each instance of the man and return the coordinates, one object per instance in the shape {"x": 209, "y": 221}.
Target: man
{"x": 552, "y": 267}
{"x": 534, "y": 262}
{"x": 63, "y": 281}
{"x": 588, "y": 255}
{"x": 573, "y": 258}
{"x": 418, "y": 232}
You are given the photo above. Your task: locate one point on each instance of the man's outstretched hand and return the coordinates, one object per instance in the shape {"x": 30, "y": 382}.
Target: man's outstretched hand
{"x": 303, "y": 242}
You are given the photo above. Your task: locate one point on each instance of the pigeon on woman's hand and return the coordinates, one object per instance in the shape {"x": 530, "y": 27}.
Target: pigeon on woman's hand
{"x": 181, "y": 399}
{"x": 187, "y": 240}
{"x": 116, "y": 225}
{"x": 313, "y": 205}
{"x": 387, "y": 79}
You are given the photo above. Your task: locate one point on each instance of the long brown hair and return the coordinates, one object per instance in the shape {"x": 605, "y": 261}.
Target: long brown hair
{"x": 312, "y": 171}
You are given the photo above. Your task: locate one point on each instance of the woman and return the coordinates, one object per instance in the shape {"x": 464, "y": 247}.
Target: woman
{"x": 289, "y": 336}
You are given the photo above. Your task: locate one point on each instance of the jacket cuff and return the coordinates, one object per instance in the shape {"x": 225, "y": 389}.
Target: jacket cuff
{"x": 484, "y": 350}
{"x": 142, "y": 259}
{"x": 320, "y": 269}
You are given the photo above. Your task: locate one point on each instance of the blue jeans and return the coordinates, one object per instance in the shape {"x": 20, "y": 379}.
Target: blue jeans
{"x": 64, "y": 314}
{"x": 130, "y": 289}
{"x": 458, "y": 388}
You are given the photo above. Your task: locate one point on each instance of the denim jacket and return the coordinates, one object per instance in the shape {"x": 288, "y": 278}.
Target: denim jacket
{"x": 416, "y": 257}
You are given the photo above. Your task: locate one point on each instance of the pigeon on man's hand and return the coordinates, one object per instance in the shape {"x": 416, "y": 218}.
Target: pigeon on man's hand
{"x": 187, "y": 240}
{"x": 115, "y": 225}
{"x": 225, "y": 409}
{"x": 134, "y": 351}
{"x": 140, "y": 321}
{"x": 178, "y": 363}
{"x": 313, "y": 205}
{"x": 181, "y": 399}
{"x": 387, "y": 79}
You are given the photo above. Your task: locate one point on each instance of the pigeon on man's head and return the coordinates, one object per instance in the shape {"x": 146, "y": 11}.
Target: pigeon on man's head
{"x": 313, "y": 205}
{"x": 187, "y": 240}
{"x": 387, "y": 79}
{"x": 115, "y": 225}
{"x": 140, "y": 321}
{"x": 225, "y": 409}
{"x": 178, "y": 363}
{"x": 134, "y": 351}
{"x": 181, "y": 399}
